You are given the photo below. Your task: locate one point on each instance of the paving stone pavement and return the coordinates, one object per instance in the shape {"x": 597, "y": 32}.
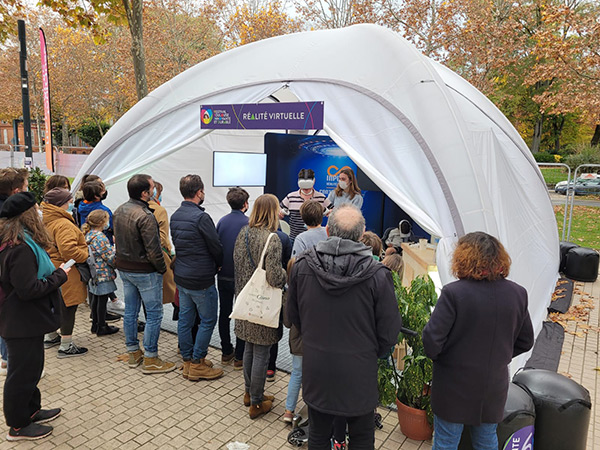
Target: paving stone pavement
{"x": 107, "y": 405}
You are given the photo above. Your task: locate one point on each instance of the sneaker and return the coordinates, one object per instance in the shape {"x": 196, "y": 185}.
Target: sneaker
{"x": 270, "y": 375}
{"x": 288, "y": 416}
{"x": 73, "y": 350}
{"x": 135, "y": 358}
{"x": 238, "y": 364}
{"x": 31, "y": 432}
{"x": 112, "y": 317}
{"x": 335, "y": 445}
{"x": 49, "y": 343}
{"x": 258, "y": 410}
{"x": 117, "y": 305}
{"x": 106, "y": 330}
{"x": 269, "y": 397}
{"x": 226, "y": 359}
{"x": 45, "y": 415}
{"x": 157, "y": 365}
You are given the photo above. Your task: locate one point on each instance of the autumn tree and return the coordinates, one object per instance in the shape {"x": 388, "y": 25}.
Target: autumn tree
{"x": 129, "y": 12}
{"x": 250, "y": 23}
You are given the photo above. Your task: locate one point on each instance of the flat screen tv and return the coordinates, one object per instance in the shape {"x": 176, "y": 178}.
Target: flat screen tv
{"x": 239, "y": 169}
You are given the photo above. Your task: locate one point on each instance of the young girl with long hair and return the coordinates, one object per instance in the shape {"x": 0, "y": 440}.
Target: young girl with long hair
{"x": 30, "y": 284}
{"x": 103, "y": 284}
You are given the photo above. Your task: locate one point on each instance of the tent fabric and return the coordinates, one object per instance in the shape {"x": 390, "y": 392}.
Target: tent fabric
{"x": 433, "y": 143}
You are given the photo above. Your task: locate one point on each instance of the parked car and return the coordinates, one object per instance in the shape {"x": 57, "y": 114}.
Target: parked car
{"x": 587, "y": 187}
{"x": 561, "y": 186}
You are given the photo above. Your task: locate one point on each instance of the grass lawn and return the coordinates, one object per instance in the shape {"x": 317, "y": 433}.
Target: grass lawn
{"x": 553, "y": 175}
{"x": 585, "y": 228}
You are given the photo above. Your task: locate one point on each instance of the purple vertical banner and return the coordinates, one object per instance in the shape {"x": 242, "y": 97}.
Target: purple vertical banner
{"x": 521, "y": 439}
{"x": 46, "y": 92}
{"x": 263, "y": 116}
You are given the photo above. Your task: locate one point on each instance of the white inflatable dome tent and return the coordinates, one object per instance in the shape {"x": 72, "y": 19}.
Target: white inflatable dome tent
{"x": 433, "y": 143}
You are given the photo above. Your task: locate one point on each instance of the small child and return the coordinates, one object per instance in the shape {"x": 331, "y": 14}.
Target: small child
{"x": 370, "y": 239}
{"x": 103, "y": 284}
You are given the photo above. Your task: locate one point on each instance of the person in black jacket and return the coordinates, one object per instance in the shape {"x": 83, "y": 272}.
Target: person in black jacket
{"x": 198, "y": 258}
{"x": 479, "y": 324}
{"x": 343, "y": 303}
{"x": 29, "y": 308}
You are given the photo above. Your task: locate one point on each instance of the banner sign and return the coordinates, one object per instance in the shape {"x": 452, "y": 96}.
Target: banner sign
{"x": 521, "y": 439}
{"x": 263, "y": 116}
{"x": 46, "y": 92}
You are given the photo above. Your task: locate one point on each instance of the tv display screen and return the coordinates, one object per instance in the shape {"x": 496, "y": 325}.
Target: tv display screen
{"x": 239, "y": 169}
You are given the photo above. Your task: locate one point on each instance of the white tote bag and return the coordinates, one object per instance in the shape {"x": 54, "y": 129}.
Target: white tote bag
{"x": 259, "y": 302}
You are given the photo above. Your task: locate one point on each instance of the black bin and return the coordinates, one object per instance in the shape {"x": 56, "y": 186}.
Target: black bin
{"x": 582, "y": 264}
{"x": 517, "y": 426}
{"x": 562, "y": 409}
{"x": 565, "y": 246}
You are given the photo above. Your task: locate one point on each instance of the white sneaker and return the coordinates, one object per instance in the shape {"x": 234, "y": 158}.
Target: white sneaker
{"x": 118, "y": 305}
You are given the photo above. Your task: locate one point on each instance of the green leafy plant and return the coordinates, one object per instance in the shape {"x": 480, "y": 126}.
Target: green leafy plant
{"x": 415, "y": 305}
{"x": 37, "y": 180}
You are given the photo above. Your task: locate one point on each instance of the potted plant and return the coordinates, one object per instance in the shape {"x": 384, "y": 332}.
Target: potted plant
{"x": 412, "y": 386}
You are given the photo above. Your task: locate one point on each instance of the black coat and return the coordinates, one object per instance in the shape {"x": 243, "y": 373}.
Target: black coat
{"x": 475, "y": 330}
{"x": 198, "y": 250}
{"x": 30, "y": 306}
{"x": 344, "y": 305}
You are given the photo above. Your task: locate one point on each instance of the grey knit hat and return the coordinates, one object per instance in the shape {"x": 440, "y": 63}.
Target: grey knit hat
{"x": 58, "y": 196}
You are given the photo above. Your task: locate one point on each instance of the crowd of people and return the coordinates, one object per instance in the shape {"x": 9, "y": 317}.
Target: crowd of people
{"x": 338, "y": 293}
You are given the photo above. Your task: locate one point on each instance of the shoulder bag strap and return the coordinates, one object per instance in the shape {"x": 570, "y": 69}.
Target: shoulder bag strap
{"x": 264, "y": 252}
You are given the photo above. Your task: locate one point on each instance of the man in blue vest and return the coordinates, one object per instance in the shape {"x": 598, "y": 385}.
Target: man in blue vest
{"x": 199, "y": 256}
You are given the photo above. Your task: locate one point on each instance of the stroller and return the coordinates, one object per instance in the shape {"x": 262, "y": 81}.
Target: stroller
{"x": 299, "y": 434}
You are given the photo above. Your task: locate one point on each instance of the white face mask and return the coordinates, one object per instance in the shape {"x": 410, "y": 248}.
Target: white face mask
{"x": 342, "y": 184}
{"x": 306, "y": 184}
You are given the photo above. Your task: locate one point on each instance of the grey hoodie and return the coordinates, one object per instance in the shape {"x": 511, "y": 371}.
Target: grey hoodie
{"x": 344, "y": 305}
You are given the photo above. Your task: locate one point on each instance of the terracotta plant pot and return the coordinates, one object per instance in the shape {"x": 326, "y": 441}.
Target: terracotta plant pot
{"x": 413, "y": 422}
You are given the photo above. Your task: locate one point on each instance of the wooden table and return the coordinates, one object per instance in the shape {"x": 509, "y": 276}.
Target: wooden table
{"x": 416, "y": 261}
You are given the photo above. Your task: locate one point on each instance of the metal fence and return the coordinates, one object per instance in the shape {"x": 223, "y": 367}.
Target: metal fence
{"x": 569, "y": 195}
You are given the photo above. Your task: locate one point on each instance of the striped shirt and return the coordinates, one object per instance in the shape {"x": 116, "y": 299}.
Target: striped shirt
{"x": 293, "y": 201}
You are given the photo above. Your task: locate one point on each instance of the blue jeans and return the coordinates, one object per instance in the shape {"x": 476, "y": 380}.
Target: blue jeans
{"x": 205, "y": 303}
{"x": 3, "y": 350}
{"x": 447, "y": 435}
{"x": 138, "y": 288}
{"x": 294, "y": 384}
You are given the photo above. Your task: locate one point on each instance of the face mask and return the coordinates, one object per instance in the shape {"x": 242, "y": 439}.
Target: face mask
{"x": 343, "y": 184}
{"x": 160, "y": 198}
{"x": 103, "y": 196}
{"x": 154, "y": 193}
{"x": 306, "y": 184}
{"x": 105, "y": 227}
{"x": 70, "y": 208}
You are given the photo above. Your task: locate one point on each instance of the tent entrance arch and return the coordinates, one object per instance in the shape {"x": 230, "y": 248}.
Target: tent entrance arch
{"x": 433, "y": 143}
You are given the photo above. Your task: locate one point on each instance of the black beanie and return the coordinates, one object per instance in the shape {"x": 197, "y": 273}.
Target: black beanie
{"x": 17, "y": 204}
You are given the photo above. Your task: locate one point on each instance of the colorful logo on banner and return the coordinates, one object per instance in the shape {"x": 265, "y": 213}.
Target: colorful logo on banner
{"x": 263, "y": 116}
{"x": 206, "y": 116}
{"x": 521, "y": 439}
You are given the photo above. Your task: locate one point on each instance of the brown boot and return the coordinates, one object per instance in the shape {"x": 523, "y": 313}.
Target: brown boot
{"x": 157, "y": 365}
{"x": 135, "y": 358}
{"x": 186, "y": 369}
{"x": 258, "y": 410}
{"x": 203, "y": 371}
{"x": 265, "y": 397}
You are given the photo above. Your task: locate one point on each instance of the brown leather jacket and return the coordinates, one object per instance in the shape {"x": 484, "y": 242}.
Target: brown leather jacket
{"x": 137, "y": 239}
